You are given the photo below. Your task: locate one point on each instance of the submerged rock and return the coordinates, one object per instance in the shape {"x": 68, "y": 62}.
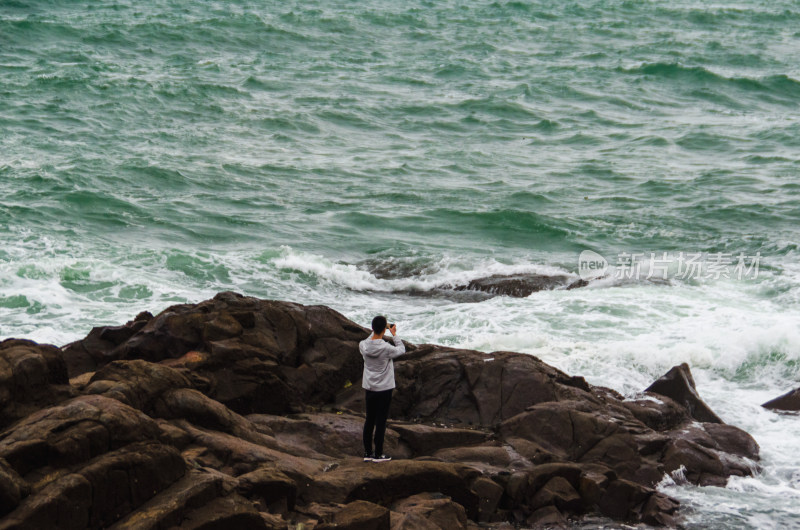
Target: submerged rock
{"x": 239, "y": 412}
{"x": 521, "y": 285}
{"x": 789, "y": 402}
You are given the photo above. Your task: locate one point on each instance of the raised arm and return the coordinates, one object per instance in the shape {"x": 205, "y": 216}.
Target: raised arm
{"x": 399, "y": 348}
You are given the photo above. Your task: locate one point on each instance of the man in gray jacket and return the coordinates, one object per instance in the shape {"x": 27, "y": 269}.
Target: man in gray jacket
{"x": 378, "y": 382}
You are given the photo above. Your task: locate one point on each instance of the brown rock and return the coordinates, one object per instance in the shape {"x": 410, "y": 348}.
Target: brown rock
{"x": 235, "y": 456}
{"x": 659, "y": 510}
{"x": 732, "y": 440}
{"x": 703, "y": 465}
{"x": 518, "y": 285}
{"x": 541, "y": 475}
{"x": 592, "y": 484}
{"x": 387, "y": 482}
{"x": 427, "y": 439}
{"x": 531, "y": 451}
{"x": 337, "y": 435}
{"x": 678, "y": 384}
{"x": 465, "y": 387}
{"x": 492, "y": 455}
{"x": 358, "y": 515}
{"x": 32, "y": 376}
{"x": 411, "y": 521}
{"x": 489, "y": 494}
{"x": 557, "y": 492}
{"x": 136, "y": 383}
{"x": 621, "y": 498}
{"x": 494, "y": 435}
{"x": 560, "y": 428}
{"x": 12, "y": 488}
{"x": 546, "y": 517}
{"x": 437, "y": 510}
{"x": 101, "y": 492}
{"x": 64, "y": 503}
{"x": 168, "y": 508}
{"x": 96, "y": 349}
{"x": 270, "y": 486}
{"x": 224, "y": 513}
{"x": 516, "y": 489}
{"x": 790, "y": 401}
{"x": 73, "y": 432}
{"x": 658, "y": 412}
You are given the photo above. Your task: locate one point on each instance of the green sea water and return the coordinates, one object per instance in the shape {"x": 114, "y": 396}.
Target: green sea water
{"x": 361, "y": 154}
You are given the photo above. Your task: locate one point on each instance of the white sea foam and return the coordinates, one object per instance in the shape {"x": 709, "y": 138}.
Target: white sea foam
{"x": 450, "y": 272}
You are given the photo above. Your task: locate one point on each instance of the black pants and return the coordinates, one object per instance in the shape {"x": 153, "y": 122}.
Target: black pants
{"x": 377, "y": 412}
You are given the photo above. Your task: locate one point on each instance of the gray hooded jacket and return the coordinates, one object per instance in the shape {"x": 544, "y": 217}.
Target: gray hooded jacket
{"x": 378, "y": 365}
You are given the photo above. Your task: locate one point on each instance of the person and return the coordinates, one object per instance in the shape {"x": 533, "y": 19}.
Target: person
{"x": 378, "y": 383}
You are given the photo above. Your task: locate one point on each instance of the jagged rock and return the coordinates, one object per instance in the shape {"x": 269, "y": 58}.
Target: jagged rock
{"x": 235, "y": 456}
{"x": 621, "y": 498}
{"x": 223, "y": 513}
{"x": 659, "y": 510}
{"x": 166, "y": 509}
{"x": 270, "y": 486}
{"x": 245, "y": 412}
{"x": 790, "y": 401}
{"x": 428, "y": 510}
{"x": 529, "y": 452}
{"x": 92, "y": 351}
{"x": 546, "y": 517}
{"x": 12, "y": 488}
{"x": 592, "y": 483}
{"x": 557, "y": 492}
{"x": 541, "y": 475}
{"x": 678, "y": 384}
{"x": 491, "y": 455}
{"x": 390, "y": 481}
{"x": 489, "y": 494}
{"x": 519, "y": 285}
{"x": 337, "y": 435}
{"x": 575, "y": 435}
{"x": 31, "y": 376}
{"x": 658, "y": 412}
{"x": 136, "y": 383}
{"x": 703, "y": 465}
{"x": 464, "y": 387}
{"x": 258, "y": 356}
{"x": 358, "y": 515}
{"x": 732, "y": 440}
{"x": 102, "y": 491}
{"x": 63, "y": 503}
{"x": 72, "y": 433}
{"x": 273, "y": 521}
{"x": 411, "y": 521}
{"x": 427, "y": 439}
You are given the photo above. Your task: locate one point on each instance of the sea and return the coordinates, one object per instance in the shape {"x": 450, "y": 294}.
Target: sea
{"x": 369, "y": 155}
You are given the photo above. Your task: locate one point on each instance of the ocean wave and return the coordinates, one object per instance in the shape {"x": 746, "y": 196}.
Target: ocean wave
{"x": 778, "y": 84}
{"x": 404, "y": 274}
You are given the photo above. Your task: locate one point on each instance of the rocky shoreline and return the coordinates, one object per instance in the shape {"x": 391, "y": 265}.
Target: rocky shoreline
{"x": 246, "y": 413}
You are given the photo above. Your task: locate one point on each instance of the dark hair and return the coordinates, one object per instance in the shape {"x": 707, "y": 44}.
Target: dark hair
{"x": 379, "y": 324}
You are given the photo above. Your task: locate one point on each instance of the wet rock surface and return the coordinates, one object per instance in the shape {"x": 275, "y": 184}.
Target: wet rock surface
{"x": 521, "y": 285}
{"x": 789, "y": 402}
{"x": 246, "y": 413}
{"x": 514, "y": 285}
